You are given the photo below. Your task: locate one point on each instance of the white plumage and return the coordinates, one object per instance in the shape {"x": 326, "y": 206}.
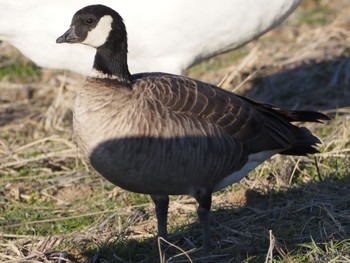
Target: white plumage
{"x": 168, "y": 36}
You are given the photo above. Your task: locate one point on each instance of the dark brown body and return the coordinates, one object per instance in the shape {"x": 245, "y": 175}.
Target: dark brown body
{"x": 166, "y": 134}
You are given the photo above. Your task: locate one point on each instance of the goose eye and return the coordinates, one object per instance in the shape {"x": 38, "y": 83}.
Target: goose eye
{"x": 89, "y": 21}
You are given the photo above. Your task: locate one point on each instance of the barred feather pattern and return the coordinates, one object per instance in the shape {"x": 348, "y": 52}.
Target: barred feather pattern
{"x": 166, "y": 134}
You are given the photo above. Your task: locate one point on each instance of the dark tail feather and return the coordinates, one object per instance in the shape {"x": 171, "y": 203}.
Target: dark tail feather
{"x": 305, "y": 143}
{"x": 291, "y": 115}
{"x": 303, "y": 115}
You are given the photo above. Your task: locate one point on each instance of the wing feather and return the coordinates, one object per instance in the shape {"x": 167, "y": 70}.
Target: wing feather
{"x": 257, "y": 125}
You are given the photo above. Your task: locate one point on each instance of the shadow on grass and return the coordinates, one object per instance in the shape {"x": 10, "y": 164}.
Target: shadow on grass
{"x": 129, "y": 250}
{"x": 320, "y": 85}
{"x": 314, "y": 212}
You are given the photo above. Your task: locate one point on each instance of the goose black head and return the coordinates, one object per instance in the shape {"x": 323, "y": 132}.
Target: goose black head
{"x": 103, "y": 28}
{"x": 92, "y": 26}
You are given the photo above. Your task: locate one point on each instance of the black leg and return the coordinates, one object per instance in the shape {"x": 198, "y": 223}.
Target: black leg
{"x": 161, "y": 202}
{"x": 204, "y": 203}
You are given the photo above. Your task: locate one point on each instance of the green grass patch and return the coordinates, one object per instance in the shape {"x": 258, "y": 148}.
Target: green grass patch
{"x": 221, "y": 61}
{"x": 20, "y": 70}
{"x": 42, "y": 218}
{"x": 319, "y": 15}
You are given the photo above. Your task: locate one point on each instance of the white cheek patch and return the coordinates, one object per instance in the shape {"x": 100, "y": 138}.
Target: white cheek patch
{"x": 98, "y": 36}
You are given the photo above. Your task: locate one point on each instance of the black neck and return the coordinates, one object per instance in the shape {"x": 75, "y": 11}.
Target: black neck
{"x": 111, "y": 60}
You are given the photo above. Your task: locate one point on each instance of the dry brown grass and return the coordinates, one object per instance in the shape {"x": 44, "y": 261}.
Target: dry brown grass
{"x": 288, "y": 210}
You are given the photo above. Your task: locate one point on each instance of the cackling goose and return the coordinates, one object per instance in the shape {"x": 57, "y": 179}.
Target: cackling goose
{"x": 163, "y": 134}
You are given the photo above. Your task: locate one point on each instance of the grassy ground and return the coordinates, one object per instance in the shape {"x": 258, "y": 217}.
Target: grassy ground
{"x": 55, "y": 208}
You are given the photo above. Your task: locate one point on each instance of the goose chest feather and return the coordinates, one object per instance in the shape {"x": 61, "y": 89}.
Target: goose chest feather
{"x": 163, "y": 134}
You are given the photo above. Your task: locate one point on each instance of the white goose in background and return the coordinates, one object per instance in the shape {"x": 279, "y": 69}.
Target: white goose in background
{"x": 165, "y": 36}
